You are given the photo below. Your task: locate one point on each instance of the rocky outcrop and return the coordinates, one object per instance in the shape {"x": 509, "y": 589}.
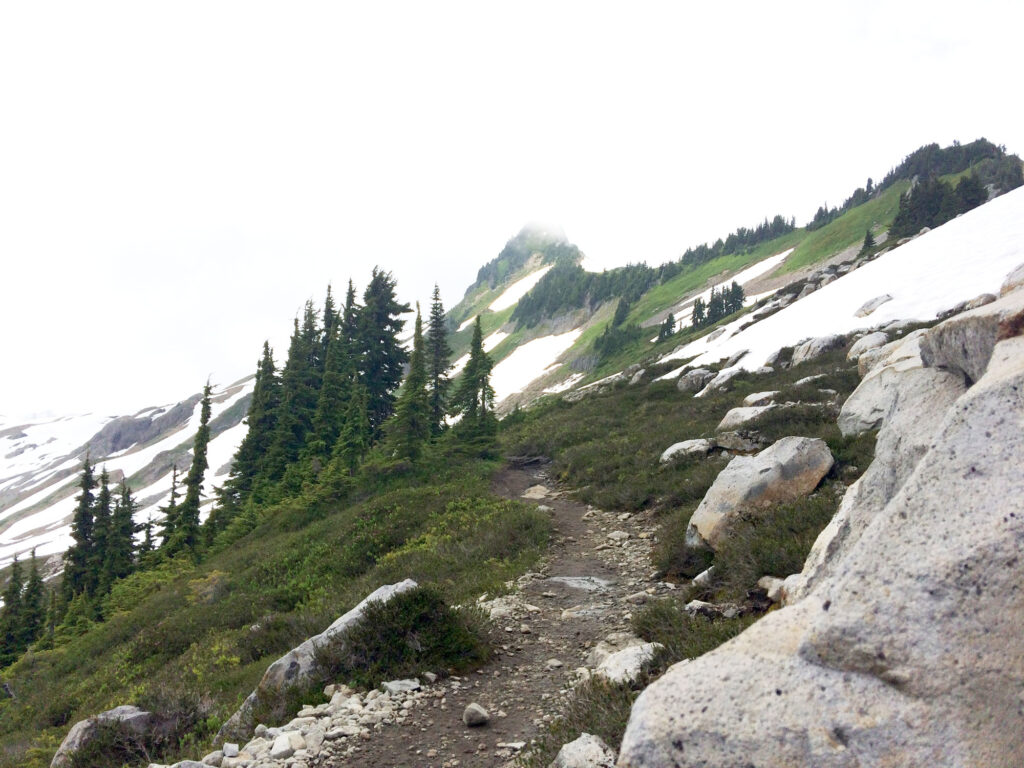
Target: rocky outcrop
{"x": 299, "y": 664}
{"x": 871, "y": 305}
{"x": 909, "y": 652}
{"x": 866, "y": 343}
{"x": 789, "y": 469}
{"x": 695, "y": 380}
{"x": 963, "y": 344}
{"x": 135, "y": 724}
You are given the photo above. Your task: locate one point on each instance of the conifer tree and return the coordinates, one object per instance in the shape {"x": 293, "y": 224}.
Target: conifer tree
{"x": 148, "y": 546}
{"x": 621, "y": 313}
{"x": 121, "y": 542}
{"x": 170, "y": 511}
{"x": 668, "y": 327}
{"x": 79, "y": 555}
{"x": 699, "y": 317}
{"x": 332, "y": 403}
{"x": 330, "y": 321}
{"x": 410, "y": 427}
{"x": 300, "y": 383}
{"x": 186, "y": 530}
{"x": 439, "y": 362}
{"x": 355, "y": 435}
{"x": 101, "y": 535}
{"x": 11, "y": 617}
{"x": 261, "y": 420}
{"x": 33, "y": 607}
{"x": 382, "y": 357}
{"x": 474, "y": 396}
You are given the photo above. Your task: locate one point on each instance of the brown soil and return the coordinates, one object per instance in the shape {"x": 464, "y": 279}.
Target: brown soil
{"x": 518, "y": 687}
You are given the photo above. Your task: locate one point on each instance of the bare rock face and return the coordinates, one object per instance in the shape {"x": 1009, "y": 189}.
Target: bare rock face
{"x": 134, "y": 722}
{"x": 789, "y": 469}
{"x": 298, "y": 664}
{"x": 963, "y": 344}
{"x": 909, "y": 653}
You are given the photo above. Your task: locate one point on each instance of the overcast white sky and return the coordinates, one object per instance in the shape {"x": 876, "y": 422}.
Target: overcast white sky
{"x": 177, "y": 178}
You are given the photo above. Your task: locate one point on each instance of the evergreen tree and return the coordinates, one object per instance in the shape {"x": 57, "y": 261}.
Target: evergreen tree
{"x": 382, "y": 357}
{"x": 170, "y": 511}
{"x": 474, "y": 396}
{"x": 699, "y": 316}
{"x": 33, "y": 605}
{"x": 330, "y": 322}
{"x": 148, "y": 546}
{"x": 248, "y": 463}
{"x": 354, "y": 440}
{"x": 439, "y": 357}
{"x": 668, "y": 327}
{"x": 186, "y": 531}
{"x": 869, "y": 241}
{"x": 101, "y": 536}
{"x": 300, "y": 384}
{"x": 332, "y": 402}
{"x": 410, "y": 427}
{"x": 121, "y": 543}
{"x": 735, "y": 299}
{"x": 11, "y": 617}
{"x": 621, "y": 313}
{"x": 80, "y": 553}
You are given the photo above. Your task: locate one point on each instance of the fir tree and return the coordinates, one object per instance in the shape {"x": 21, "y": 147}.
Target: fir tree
{"x": 101, "y": 536}
{"x": 735, "y": 298}
{"x": 410, "y": 427}
{"x": 869, "y": 241}
{"x": 621, "y": 313}
{"x": 332, "y": 403}
{"x": 121, "y": 542}
{"x": 382, "y": 357}
{"x": 80, "y": 553}
{"x": 170, "y": 511}
{"x": 33, "y": 605}
{"x": 261, "y": 420}
{"x": 355, "y": 435}
{"x": 668, "y": 327}
{"x": 148, "y": 546}
{"x": 439, "y": 357}
{"x": 474, "y": 396}
{"x": 186, "y": 531}
{"x": 11, "y": 617}
{"x": 330, "y": 322}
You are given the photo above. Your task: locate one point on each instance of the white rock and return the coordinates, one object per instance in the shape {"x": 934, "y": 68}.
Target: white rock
{"x": 739, "y": 417}
{"x": 536, "y": 492}
{"x": 587, "y": 751}
{"x": 475, "y": 716}
{"x": 626, "y": 666}
{"x": 760, "y": 398}
{"x": 696, "y": 447}
{"x": 870, "y": 306}
{"x": 401, "y": 686}
{"x": 865, "y": 343}
{"x": 814, "y": 348}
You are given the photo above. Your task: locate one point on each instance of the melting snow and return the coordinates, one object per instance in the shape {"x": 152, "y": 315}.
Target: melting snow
{"x": 494, "y": 340}
{"x": 961, "y": 259}
{"x": 517, "y": 290}
{"x": 515, "y": 372}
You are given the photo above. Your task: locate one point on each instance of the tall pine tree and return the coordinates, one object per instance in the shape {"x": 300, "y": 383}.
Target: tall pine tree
{"x": 409, "y": 430}
{"x": 170, "y": 511}
{"x": 11, "y": 617}
{"x": 439, "y": 363}
{"x": 355, "y": 435}
{"x": 101, "y": 536}
{"x": 120, "y": 555}
{"x": 80, "y": 554}
{"x": 33, "y": 605}
{"x": 186, "y": 531}
{"x": 474, "y": 396}
{"x": 382, "y": 357}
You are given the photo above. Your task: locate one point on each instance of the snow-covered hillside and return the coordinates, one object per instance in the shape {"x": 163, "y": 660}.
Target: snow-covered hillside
{"x": 957, "y": 261}
{"x": 40, "y": 463}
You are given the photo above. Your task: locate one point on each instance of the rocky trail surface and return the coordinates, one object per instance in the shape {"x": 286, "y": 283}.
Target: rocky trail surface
{"x": 596, "y": 570}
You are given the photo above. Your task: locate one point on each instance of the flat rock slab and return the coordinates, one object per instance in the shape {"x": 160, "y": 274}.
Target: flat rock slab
{"x": 739, "y": 417}
{"x": 536, "y": 492}
{"x": 697, "y": 447}
{"x": 585, "y": 583}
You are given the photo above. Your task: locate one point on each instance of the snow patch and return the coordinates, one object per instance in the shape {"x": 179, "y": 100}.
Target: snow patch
{"x": 515, "y": 372}
{"x": 518, "y": 289}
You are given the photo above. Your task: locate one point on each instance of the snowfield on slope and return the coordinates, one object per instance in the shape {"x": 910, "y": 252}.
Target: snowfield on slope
{"x": 965, "y": 257}
{"x": 517, "y": 290}
{"x": 515, "y": 372}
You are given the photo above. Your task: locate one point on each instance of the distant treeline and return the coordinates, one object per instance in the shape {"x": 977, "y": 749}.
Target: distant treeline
{"x": 518, "y": 251}
{"x": 990, "y": 162}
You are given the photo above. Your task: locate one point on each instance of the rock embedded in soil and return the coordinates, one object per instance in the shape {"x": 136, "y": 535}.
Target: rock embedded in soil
{"x": 475, "y": 716}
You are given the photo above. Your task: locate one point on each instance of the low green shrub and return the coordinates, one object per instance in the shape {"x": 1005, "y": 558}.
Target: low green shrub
{"x": 684, "y": 637}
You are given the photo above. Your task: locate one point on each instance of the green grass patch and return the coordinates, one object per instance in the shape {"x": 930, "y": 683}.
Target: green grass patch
{"x": 684, "y": 637}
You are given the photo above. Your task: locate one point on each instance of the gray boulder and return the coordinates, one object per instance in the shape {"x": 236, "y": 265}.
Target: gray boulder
{"x": 695, "y": 380}
{"x": 626, "y": 666}
{"x": 865, "y": 343}
{"x": 687, "y": 448}
{"x": 1014, "y": 281}
{"x": 588, "y": 751}
{"x": 721, "y": 381}
{"x": 298, "y": 665}
{"x": 932, "y": 677}
{"x": 740, "y": 441}
{"x": 134, "y": 723}
{"x": 963, "y": 344}
{"x": 871, "y": 305}
{"x": 760, "y": 398}
{"x": 789, "y": 469}
{"x": 814, "y": 348}
{"x": 740, "y": 417}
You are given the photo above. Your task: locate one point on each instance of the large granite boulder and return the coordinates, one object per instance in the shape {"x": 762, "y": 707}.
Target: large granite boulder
{"x": 813, "y": 348}
{"x": 588, "y": 751}
{"x": 687, "y": 448}
{"x": 866, "y": 343}
{"x": 299, "y": 664}
{"x": 909, "y": 653}
{"x": 695, "y": 380}
{"x": 787, "y": 470}
{"x": 135, "y": 724}
{"x": 741, "y": 416}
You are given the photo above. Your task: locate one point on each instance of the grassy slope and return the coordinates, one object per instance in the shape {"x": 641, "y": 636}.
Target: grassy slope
{"x": 199, "y": 638}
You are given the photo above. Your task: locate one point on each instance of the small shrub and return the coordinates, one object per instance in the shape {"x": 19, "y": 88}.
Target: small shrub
{"x": 671, "y": 555}
{"x": 684, "y": 636}
{"x": 412, "y": 632}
